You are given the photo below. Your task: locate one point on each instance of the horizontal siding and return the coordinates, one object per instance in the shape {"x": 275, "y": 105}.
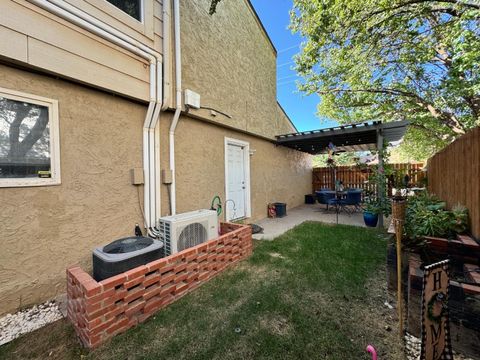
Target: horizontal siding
{"x": 16, "y": 46}
{"x": 48, "y": 42}
{"x": 48, "y": 57}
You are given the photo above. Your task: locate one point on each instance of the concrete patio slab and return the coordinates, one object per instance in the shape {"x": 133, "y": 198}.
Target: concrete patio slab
{"x": 277, "y": 226}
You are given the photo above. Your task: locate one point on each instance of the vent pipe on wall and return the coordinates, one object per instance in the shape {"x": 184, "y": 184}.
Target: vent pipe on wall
{"x": 151, "y": 129}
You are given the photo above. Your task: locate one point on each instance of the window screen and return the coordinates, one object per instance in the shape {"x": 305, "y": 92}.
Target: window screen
{"x": 24, "y": 139}
{"x": 131, "y": 7}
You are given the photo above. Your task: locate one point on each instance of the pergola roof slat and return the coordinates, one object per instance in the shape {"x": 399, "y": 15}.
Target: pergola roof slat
{"x": 362, "y": 136}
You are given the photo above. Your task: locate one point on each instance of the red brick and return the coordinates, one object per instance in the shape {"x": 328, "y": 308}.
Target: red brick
{"x": 149, "y": 293}
{"x": 180, "y": 278}
{"x": 167, "y": 290}
{"x": 175, "y": 258}
{"x": 191, "y": 258}
{"x": 75, "y": 270}
{"x": 102, "y": 296}
{"x": 131, "y": 283}
{"x": 188, "y": 252}
{"x": 102, "y": 325}
{"x": 203, "y": 276}
{"x": 192, "y": 267}
{"x": 153, "y": 305}
{"x": 117, "y": 310}
{"x": 151, "y": 279}
{"x": 202, "y": 248}
{"x": 180, "y": 267}
{"x": 157, "y": 264}
{"x": 119, "y": 295}
{"x": 136, "y": 272}
{"x": 91, "y": 287}
{"x": 181, "y": 287}
{"x": 202, "y": 257}
{"x": 120, "y": 324}
{"x": 101, "y": 312}
{"x": 134, "y": 294}
{"x": 168, "y": 300}
{"x": 114, "y": 281}
{"x": 166, "y": 269}
{"x": 166, "y": 279}
{"x": 134, "y": 307}
{"x": 90, "y": 308}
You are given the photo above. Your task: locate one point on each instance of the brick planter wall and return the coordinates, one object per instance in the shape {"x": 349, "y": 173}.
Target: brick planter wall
{"x": 100, "y": 310}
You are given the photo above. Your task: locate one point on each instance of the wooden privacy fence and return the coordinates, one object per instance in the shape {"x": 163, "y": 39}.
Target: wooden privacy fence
{"x": 356, "y": 177}
{"x": 454, "y": 176}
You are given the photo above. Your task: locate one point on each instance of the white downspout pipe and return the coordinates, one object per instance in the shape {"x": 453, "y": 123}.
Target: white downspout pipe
{"x": 178, "y": 107}
{"x": 88, "y": 22}
{"x": 166, "y": 11}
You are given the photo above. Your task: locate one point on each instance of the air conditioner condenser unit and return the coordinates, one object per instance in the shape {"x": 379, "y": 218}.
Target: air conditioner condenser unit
{"x": 182, "y": 231}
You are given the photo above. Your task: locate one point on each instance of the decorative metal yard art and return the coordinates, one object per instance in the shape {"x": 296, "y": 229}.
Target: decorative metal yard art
{"x": 398, "y": 214}
{"x": 435, "y": 326}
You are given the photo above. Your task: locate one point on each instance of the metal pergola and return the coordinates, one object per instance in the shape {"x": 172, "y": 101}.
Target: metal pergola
{"x": 353, "y": 137}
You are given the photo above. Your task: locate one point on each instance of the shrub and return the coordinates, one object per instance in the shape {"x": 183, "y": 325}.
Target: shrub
{"x": 426, "y": 215}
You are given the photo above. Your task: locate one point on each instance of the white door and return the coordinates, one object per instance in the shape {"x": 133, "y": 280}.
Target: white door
{"x": 237, "y": 182}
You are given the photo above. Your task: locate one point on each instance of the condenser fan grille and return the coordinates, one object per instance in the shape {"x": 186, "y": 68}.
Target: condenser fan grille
{"x": 193, "y": 234}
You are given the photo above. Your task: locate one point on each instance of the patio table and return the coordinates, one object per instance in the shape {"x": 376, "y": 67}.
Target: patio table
{"x": 339, "y": 195}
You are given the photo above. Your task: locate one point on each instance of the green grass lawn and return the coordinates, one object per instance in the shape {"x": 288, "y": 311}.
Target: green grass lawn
{"x": 316, "y": 292}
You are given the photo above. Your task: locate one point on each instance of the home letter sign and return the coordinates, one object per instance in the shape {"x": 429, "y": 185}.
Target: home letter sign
{"x": 435, "y": 326}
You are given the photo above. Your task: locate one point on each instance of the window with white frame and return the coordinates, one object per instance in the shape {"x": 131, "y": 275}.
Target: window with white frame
{"x": 29, "y": 140}
{"x": 131, "y": 7}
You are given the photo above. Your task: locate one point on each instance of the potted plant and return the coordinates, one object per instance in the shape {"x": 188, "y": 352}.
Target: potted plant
{"x": 373, "y": 207}
{"x": 370, "y": 213}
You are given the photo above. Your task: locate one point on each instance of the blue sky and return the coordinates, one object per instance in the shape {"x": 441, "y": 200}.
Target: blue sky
{"x": 275, "y": 17}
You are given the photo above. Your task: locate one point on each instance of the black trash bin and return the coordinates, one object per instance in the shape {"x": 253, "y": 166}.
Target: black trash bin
{"x": 280, "y": 209}
{"x": 309, "y": 199}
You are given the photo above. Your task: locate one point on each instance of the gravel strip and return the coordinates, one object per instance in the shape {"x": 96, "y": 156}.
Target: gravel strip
{"x": 413, "y": 345}
{"x": 25, "y": 321}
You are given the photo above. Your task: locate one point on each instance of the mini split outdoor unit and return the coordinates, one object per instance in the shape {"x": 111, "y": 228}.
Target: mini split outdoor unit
{"x": 179, "y": 232}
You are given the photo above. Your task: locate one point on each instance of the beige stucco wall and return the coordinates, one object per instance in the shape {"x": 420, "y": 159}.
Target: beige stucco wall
{"x": 228, "y": 59}
{"x": 277, "y": 173}
{"x": 45, "y": 229}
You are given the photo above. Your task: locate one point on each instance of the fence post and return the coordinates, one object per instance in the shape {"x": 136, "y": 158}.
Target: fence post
{"x": 381, "y": 184}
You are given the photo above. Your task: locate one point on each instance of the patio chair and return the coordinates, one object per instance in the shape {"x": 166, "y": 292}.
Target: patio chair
{"x": 325, "y": 197}
{"x": 353, "y": 199}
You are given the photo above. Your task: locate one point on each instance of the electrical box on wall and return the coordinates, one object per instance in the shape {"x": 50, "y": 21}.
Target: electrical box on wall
{"x": 167, "y": 177}
{"x": 136, "y": 176}
{"x": 192, "y": 99}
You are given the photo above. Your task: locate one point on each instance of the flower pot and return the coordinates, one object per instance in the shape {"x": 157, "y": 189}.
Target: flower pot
{"x": 370, "y": 219}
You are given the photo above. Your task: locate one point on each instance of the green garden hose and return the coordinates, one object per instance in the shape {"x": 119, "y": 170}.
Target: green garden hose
{"x": 218, "y": 207}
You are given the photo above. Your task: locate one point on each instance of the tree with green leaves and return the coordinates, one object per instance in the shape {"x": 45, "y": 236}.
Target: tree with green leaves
{"x": 389, "y": 60}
